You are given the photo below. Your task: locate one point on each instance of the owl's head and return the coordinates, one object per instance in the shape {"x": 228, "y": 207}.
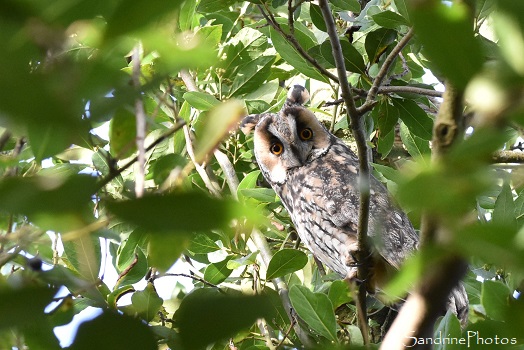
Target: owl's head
{"x": 286, "y": 140}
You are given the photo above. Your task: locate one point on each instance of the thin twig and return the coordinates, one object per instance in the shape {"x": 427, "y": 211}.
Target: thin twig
{"x": 196, "y": 278}
{"x": 293, "y": 41}
{"x": 113, "y": 174}
{"x": 210, "y": 185}
{"x": 359, "y": 93}
{"x": 140, "y": 116}
{"x": 372, "y": 94}
{"x": 357, "y": 127}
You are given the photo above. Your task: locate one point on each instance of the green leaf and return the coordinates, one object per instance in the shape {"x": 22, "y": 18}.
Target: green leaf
{"x": 101, "y": 333}
{"x": 186, "y": 17}
{"x": 134, "y": 270}
{"x": 263, "y": 195}
{"x": 210, "y": 6}
{"x": 291, "y": 55}
{"x": 504, "y": 211}
{"x": 43, "y": 194}
{"x": 316, "y": 17}
{"x": 248, "y": 182}
{"x": 84, "y": 255}
{"x": 217, "y": 273}
{"x": 402, "y": 9}
{"x": 122, "y": 133}
{"x": 202, "y": 244}
{"x": 495, "y": 297}
{"x": 388, "y": 172}
{"x": 339, "y": 293}
{"x": 119, "y": 23}
{"x": 346, "y": 5}
{"x": 286, "y": 261}
{"x": 416, "y": 146}
{"x": 353, "y": 60}
{"x": 210, "y": 36}
{"x": 217, "y": 125}
{"x": 201, "y": 100}
{"x": 177, "y": 212}
{"x": 377, "y": 43}
{"x": 251, "y": 75}
{"x": 165, "y": 249}
{"x": 147, "y": 302}
{"x": 385, "y": 143}
{"x": 18, "y": 304}
{"x": 385, "y": 116}
{"x": 389, "y": 19}
{"x": 316, "y": 310}
{"x": 243, "y": 261}
{"x": 200, "y": 317}
{"x": 418, "y": 121}
{"x": 436, "y": 23}
{"x": 449, "y": 327}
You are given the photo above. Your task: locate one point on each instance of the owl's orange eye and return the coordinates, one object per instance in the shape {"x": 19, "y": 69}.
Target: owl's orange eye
{"x": 276, "y": 148}
{"x": 306, "y": 134}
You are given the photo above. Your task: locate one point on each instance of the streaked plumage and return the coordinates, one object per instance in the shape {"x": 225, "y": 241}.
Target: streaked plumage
{"x": 316, "y": 176}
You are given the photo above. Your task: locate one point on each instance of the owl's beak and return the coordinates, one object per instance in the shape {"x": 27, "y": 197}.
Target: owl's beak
{"x": 297, "y": 159}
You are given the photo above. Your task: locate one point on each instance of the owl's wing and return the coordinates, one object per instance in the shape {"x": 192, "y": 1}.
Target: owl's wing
{"x": 391, "y": 231}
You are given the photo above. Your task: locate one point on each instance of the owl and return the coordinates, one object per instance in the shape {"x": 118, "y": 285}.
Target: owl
{"x": 315, "y": 175}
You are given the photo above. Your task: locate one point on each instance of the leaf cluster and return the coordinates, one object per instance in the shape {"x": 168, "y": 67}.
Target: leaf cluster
{"x": 69, "y": 212}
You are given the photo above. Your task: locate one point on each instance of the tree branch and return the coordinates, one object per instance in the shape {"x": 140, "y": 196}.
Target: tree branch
{"x": 372, "y": 94}
{"x": 113, "y": 174}
{"x": 422, "y": 308}
{"x": 508, "y": 157}
{"x": 140, "y": 116}
{"x": 363, "y": 255}
{"x": 293, "y": 41}
{"x": 257, "y": 237}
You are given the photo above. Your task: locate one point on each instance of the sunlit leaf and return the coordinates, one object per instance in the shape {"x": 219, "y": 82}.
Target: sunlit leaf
{"x": 84, "y": 255}
{"x": 122, "y": 133}
{"x": 217, "y": 273}
{"x": 147, "y": 302}
{"x": 201, "y": 100}
{"x": 219, "y": 122}
{"x": 202, "y": 244}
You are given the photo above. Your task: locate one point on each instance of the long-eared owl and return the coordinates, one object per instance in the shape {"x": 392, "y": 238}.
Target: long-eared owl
{"x": 316, "y": 177}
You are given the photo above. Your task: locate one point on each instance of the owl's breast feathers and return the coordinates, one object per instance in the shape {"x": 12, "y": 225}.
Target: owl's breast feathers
{"x": 323, "y": 204}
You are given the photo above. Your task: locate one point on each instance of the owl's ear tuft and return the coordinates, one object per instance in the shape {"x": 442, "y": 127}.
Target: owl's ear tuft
{"x": 297, "y": 95}
{"x": 247, "y": 125}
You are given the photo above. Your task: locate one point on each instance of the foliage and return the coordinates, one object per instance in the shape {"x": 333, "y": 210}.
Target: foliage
{"x": 71, "y": 96}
